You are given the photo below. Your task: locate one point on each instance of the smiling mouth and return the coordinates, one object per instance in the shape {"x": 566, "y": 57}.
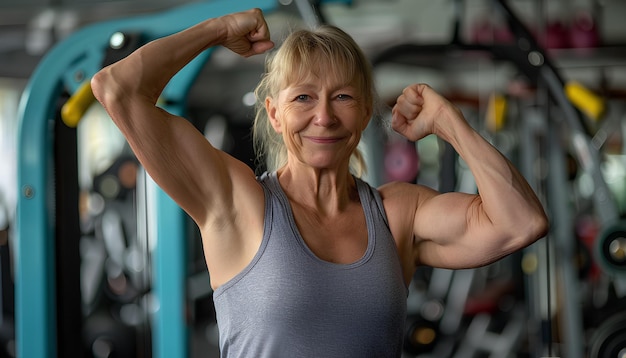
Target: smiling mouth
{"x": 324, "y": 140}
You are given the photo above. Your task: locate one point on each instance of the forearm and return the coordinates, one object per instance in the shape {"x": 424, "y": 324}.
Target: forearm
{"x": 147, "y": 71}
{"x": 506, "y": 199}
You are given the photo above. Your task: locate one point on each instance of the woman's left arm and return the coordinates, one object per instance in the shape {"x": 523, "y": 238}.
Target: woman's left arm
{"x": 457, "y": 230}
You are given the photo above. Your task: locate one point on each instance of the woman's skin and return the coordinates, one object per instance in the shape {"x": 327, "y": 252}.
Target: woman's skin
{"x": 321, "y": 122}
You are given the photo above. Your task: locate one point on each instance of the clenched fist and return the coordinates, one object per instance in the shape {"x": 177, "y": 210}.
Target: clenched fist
{"x": 420, "y": 111}
{"x": 246, "y": 33}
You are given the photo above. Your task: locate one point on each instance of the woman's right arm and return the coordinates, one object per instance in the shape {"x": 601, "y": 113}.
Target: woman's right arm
{"x": 177, "y": 156}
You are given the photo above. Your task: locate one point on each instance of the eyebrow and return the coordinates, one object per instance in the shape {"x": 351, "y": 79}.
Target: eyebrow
{"x": 302, "y": 86}
{"x": 308, "y": 86}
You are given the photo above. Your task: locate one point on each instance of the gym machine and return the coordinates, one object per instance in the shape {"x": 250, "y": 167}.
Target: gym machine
{"x": 49, "y": 320}
{"x": 549, "y": 264}
{"x": 47, "y": 260}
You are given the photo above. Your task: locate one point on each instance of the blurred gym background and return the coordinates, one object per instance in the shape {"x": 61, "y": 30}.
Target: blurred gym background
{"x": 95, "y": 261}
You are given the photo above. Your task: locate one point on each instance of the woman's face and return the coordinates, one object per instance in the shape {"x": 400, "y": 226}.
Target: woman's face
{"x": 321, "y": 121}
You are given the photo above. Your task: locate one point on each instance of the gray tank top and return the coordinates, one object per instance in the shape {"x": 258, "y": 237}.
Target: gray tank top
{"x": 289, "y": 303}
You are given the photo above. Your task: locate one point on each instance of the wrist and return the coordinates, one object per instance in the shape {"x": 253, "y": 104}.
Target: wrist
{"x": 215, "y": 31}
{"x": 451, "y": 124}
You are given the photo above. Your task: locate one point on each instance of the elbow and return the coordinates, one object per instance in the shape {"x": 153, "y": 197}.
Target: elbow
{"x": 541, "y": 226}
{"x": 100, "y": 84}
{"x": 112, "y": 92}
{"x": 525, "y": 232}
{"x": 97, "y": 83}
{"x": 534, "y": 229}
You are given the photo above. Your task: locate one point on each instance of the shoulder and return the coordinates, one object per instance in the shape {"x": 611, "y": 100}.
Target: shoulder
{"x": 401, "y": 201}
{"x": 403, "y": 195}
{"x": 400, "y": 198}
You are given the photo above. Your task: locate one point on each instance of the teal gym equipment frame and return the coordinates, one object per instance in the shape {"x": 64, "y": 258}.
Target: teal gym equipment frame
{"x": 65, "y": 68}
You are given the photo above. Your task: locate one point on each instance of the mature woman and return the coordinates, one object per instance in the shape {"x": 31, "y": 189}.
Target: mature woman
{"x": 308, "y": 259}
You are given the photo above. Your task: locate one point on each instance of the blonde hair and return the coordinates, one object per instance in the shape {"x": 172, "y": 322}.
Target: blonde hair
{"x": 326, "y": 49}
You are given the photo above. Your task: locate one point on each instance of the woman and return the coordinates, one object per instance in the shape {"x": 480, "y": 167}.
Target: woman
{"x": 308, "y": 260}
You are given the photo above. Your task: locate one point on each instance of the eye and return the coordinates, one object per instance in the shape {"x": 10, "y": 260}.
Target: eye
{"x": 344, "y": 97}
{"x": 302, "y": 97}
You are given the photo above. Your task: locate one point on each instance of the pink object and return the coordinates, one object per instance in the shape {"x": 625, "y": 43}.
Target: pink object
{"x": 485, "y": 32}
{"x": 584, "y": 32}
{"x": 556, "y": 35}
{"x": 401, "y": 161}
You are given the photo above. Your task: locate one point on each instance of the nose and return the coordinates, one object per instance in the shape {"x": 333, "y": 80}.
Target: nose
{"x": 324, "y": 114}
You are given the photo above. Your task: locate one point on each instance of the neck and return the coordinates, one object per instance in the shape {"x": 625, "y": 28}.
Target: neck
{"x": 327, "y": 191}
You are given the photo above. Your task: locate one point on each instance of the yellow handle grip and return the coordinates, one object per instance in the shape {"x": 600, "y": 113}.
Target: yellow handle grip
{"x": 585, "y": 100}
{"x": 74, "y": 109}
{"x": 496, "y": 112}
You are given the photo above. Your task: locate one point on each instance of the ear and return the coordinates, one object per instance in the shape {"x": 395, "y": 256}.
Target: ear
{"x": 270, "y": 108}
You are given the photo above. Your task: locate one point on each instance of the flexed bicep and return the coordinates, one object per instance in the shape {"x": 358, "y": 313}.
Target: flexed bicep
{"x": 449, "y": 234}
